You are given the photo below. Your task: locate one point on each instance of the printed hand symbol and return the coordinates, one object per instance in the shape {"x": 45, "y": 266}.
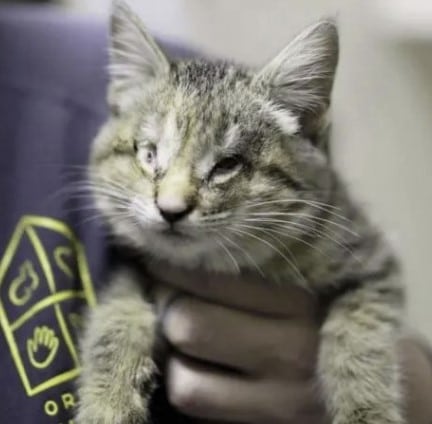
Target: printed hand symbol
{"x": 44, "y": 344}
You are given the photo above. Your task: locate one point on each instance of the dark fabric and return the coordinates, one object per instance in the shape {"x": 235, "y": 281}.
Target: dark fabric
{"x": 52, "y": 88}
{"x": 53, "y": 254}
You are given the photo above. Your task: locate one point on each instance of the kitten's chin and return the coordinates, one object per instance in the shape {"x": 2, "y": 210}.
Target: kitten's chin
{"x": 177, "y": 248}
{"x": 185, "y": 251}
{"x": 193, "y": 251}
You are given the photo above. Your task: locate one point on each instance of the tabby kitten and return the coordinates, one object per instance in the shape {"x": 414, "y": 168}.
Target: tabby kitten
{"x": 214, "y": 166}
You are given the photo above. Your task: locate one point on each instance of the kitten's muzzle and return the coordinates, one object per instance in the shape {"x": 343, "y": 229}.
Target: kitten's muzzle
{"x": 174, "y": 216}
{"x": 173, "y": 208}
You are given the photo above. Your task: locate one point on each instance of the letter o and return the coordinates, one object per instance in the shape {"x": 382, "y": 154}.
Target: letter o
{"x": 51, "y": 408}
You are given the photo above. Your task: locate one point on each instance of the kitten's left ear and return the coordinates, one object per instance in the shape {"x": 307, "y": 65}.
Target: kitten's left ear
{"x": 135, "y": 58}
{"x": 301, "y": 77}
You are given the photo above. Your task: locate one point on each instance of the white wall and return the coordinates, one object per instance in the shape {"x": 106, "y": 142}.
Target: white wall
{"x": 382, "y": 102}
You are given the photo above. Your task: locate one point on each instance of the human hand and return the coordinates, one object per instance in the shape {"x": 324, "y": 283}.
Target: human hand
{"x": 246, "y": 352}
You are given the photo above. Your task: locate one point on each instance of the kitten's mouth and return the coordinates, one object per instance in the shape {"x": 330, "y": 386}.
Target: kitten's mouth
{"x": 174, "y": 233}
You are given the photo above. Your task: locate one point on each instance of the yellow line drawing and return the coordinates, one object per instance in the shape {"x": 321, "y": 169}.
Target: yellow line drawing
{"x": 28, "y": 227}
{"x": 48, "y": 301}
{"x": 46, "y": 266}
{"x": 61, "y": 254}
{"x": 45, "y": 339}
{"x": 19, "y": 292}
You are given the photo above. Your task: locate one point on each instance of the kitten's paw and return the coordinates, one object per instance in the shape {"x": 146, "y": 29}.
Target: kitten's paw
{"x": 370, "y": 416}
{"x": 144, "y": 377}
{"x": 127, "y": 407}
{"x": 118, "y": 400}
{"x": 110, "y": 415}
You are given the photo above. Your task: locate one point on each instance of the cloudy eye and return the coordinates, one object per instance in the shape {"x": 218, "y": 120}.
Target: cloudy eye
{"x": 150, "y": 155}
{"x": 146, "y": 155}
{"x": 226, "y": 168}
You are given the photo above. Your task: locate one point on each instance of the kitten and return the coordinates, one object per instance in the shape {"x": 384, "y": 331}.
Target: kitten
{"x": 214, "y": 166}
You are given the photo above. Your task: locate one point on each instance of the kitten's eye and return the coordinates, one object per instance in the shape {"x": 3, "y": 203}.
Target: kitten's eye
{"x": 226, "y": 167}
{"x": 227, "y": 164}
{"x": 147, "y": 155}
{"x": 150, "y": 156}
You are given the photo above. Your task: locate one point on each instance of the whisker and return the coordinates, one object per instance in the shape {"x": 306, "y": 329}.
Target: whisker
{"x": 214, "y": 217}
{"x": 103, "y": 218}
{"x": 306, "y": 218}
{"x": 247, "y": 233}
{"x": 318, "y": 204}
{"x": 229, "y": 254}
{"x": 324, "y": 235}
{"x": 327, "y": 209}
{"x": 293, "y": 237}
{"x": 245, "y": 252}
{"x": 278, "y": 240}
{"x": 281, "y": 213}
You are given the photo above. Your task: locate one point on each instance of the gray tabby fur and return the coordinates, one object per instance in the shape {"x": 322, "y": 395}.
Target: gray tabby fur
{"x": 275, "y": 207}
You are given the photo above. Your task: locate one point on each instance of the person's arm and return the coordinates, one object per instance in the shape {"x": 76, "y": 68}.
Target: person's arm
{"x": 247, "y": 353}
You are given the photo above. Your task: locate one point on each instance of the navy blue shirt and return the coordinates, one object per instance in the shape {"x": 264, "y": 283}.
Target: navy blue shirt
{"x": 52, "y": 90}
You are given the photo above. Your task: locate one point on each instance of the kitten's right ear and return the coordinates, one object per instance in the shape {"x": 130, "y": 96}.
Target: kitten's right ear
{"x": 135, "y": 58}
{"x": 301, "y": 77}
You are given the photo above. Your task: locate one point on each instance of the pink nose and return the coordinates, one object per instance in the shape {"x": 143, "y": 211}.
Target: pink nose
{"x": 173, "y": 208}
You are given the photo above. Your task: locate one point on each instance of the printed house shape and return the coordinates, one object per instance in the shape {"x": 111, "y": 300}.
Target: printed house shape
{"x": 44, "y": 281}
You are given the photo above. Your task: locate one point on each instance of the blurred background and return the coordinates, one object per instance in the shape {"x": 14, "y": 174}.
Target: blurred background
{"x": 382, "y": 106}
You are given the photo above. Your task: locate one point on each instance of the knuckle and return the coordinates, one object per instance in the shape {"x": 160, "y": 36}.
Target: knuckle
{"x": 181, "y": 325}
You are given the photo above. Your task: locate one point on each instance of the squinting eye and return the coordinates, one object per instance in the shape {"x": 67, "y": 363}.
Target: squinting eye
{"x": 226, "y": 166}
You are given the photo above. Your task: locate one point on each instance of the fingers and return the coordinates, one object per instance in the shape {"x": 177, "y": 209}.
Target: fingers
{"x": 254, "y": 344}
{"x": 248, "y": 292}
{"x": 267, "y": 332}
{"x": 417, "y": 371}
{"x": 199, "y": 392}
{"x": 211, "y": 394}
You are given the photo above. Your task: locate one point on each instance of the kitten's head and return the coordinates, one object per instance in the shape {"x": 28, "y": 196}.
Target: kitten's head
{"x": 205, "y": 163}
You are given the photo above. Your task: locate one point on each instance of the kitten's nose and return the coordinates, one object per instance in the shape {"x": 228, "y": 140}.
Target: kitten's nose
{"x": 173, "y": 209}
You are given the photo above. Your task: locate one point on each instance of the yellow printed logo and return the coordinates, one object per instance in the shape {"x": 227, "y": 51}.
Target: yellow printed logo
{"x": 62, "y": 256}
{"x": 43, "y": 339}
{"x": 44, "y": 283}
{"x": 24, "y": 285}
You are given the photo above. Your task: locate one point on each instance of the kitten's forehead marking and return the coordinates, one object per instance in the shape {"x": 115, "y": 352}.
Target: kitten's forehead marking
{"x": 205, "y": 164}
{"x": 150, "y": 129}
{"x": 232, "y": 137}
{"x": 170, "y": 140}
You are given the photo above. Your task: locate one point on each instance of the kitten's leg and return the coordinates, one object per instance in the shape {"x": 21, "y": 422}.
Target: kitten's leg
{"x": 358, "y": 365}
{"x": 118, "y": 371}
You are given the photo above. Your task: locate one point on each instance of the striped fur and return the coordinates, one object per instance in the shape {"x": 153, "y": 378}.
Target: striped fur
{"x": 243, "y": 155}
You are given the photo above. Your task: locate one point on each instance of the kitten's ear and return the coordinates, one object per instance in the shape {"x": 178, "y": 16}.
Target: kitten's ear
{"x": 301, "y": 77}
{"x": 135, "y": 58}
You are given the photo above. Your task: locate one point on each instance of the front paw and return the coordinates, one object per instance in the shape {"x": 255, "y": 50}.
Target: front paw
{"x": 110, "y": 412}
{"x": 115, "y": 399}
